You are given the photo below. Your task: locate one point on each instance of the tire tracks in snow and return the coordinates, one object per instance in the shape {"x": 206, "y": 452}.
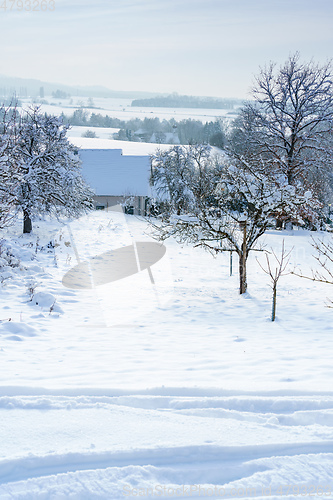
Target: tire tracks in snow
{"x": 304, "y": 422}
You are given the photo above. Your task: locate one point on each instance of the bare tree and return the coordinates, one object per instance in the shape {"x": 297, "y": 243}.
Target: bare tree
{"x": 289, "y": 124}
{"x": 9, "y": 164}
{"x": 276, "y": 272}
{"x": 174, "y": 175}
{"x": 218, "y": 204}
{"x": 50, "y": 178}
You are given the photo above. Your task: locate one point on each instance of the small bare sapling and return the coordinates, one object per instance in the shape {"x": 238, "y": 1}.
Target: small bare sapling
{"x": 275, "y": 270}
{"x": 31, "y": 287}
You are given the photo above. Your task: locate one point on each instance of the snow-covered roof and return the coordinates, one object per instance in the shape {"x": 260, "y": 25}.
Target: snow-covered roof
{"x": 110, "y": 173}
{"x": 128, "y": 147}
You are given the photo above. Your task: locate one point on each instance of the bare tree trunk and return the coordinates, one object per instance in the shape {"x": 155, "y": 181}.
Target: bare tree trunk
{"x": 279, "y": 224}
{"x": 274, "y": 302}
{"x": 242, "y": 273}
{"x": 27, "y": 224}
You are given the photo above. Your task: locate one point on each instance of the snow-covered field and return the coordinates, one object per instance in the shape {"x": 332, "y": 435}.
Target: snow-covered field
{"x": 104, "y": 133}
{"x": 179, "y": 388}
{"x": 127, "y": 147}
{"x": 122, "y": 109}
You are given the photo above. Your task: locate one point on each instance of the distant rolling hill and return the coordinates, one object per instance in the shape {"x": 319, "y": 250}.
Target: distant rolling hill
{"x": 28, "y": 87}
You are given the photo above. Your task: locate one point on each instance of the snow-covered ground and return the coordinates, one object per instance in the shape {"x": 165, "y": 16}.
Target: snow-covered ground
{"x": 102, "y": 133}
{"x": 171, "y": 388}
{"x": 127, "y": 147}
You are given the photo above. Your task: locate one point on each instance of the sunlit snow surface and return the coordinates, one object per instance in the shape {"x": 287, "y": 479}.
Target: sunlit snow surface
{"x": 141, "y": 388}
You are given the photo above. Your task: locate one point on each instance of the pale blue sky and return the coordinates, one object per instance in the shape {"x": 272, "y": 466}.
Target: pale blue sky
{"x": 198, "y": 47}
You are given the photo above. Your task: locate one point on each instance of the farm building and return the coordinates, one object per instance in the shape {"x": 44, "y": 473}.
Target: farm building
{"x": 116, "y": 178}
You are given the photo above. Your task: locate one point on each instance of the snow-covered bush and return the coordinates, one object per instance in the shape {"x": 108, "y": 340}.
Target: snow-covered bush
{"x": 7, "y": 257}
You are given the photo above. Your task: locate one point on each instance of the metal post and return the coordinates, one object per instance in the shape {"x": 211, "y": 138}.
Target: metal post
{"x": 242, "y": 258}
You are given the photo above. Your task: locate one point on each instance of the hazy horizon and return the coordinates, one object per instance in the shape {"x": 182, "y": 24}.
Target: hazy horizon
{"x": 194, "y": 47}
{"x": 99, "y": 88}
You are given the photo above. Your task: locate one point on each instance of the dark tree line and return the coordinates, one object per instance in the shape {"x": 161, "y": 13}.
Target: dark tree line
{"x": 185, "y": 101}
{"x": 153, "y": 129}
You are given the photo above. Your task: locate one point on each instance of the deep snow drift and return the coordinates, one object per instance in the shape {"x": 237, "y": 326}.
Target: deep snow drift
{"x": 168, "y": 386}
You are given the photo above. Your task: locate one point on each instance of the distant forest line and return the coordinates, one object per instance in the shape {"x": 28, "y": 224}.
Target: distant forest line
{"x": 185, "y": 101}
{"x": 154, "y": 130}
